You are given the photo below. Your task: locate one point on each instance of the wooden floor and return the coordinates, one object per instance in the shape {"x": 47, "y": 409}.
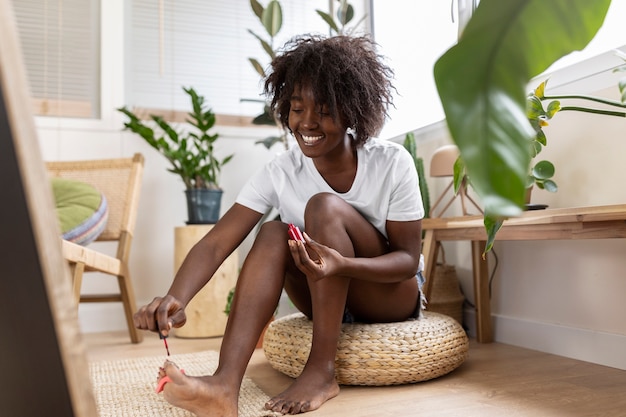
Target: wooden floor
{"x": 497, "y": 380}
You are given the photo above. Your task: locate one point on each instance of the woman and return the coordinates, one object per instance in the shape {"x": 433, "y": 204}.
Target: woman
{"x": 357, "y": 200}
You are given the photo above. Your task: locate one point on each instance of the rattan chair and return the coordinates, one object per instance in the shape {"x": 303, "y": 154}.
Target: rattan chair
{"x": 120, "y": 181}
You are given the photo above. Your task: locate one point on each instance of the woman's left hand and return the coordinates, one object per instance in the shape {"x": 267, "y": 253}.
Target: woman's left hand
{"x": 315, "y": 260}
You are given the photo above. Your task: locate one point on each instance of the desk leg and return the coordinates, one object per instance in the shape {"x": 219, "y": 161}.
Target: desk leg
{"x": 484, "y": 333}
{"x": 429, "y": 250}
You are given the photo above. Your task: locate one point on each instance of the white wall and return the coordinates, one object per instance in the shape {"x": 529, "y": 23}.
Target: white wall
{"x": 571, "y": 291}
{"x": 560, "y": 297}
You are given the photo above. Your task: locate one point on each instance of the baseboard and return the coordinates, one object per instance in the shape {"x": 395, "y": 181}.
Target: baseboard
{"x": 587, "y": 345}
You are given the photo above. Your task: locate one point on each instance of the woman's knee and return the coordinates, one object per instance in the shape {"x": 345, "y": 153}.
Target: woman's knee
{"x": 332, "y": 221}
{"x": 272, "y": 228}
{"x": 272, "y": 234}
{"x": 326, "y": 207}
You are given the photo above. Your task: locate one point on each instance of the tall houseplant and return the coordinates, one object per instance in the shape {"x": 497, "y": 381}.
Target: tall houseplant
{"x": 411, "y": 146}
{"x": 481, "y": 82}
{"x": 191, "y": 155}
{"x": 271, "y": 18}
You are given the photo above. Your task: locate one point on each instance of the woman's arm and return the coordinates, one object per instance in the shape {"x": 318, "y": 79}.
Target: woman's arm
{"x": 400, "y": 263}
{"x": 209, "y": 253}
{"x": 201, "y": 262}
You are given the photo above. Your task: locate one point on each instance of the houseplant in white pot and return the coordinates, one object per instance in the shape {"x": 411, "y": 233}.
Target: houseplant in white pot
{"x": 190, "y": 152}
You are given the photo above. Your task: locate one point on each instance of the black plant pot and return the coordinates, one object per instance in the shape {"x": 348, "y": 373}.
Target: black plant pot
{"x": 203, "y": 206}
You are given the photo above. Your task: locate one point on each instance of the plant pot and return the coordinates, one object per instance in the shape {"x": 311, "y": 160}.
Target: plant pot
{"x": 203, "y": 205}
{"x": 529, "y": 205}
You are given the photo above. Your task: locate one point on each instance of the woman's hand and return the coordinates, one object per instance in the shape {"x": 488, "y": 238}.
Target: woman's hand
{"x": 160, "y": 315}
{"x": 315, "y": 260}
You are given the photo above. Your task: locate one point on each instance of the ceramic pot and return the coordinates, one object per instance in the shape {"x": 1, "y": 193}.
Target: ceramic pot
{"x": 203, "y": 205}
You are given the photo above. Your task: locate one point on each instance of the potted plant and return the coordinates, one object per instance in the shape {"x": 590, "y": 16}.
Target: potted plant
{"x": 541, "y": 173}
{"x": 481, "y": 83}
{"x": 271, "y": 18}
{"x": 190, "y": 152}
{"x": 411, "y": 146}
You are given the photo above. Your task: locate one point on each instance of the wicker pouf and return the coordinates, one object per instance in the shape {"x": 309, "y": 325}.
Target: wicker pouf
{"x": 374, "y": 354}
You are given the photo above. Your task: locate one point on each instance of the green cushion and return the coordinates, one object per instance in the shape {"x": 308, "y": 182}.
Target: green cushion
{"x": 82, "y": 210}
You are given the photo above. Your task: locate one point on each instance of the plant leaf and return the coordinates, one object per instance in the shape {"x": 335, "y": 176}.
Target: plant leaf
{"x": 622, "y": 89}
{"x": 458, "y": 170}
{"x": 553, "y": 108}
{"x": 410, "y": 145}
{"x": 266, "y": 46}
{"x": 492, "y": 225}
{"x": 550, "y": 186}
{"x": 543, "y": 170}
{"x": 329, "y": 20}
{"x": 481, "y": 83}
{"x": 264, "y": 118}
{"x": 257, "y": 8}
{"x": 257, "y": 67}
{"x": 345, "y": 13}
{"x": 272, "y": 18}
{"x": 269, "y": 141}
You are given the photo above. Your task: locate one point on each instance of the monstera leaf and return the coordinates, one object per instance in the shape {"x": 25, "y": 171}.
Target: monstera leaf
{"x": 482, "y": 84}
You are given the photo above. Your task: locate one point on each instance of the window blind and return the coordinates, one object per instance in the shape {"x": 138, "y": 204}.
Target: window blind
{"x": 60, "y": 41}
{"x": 205, "y": 45}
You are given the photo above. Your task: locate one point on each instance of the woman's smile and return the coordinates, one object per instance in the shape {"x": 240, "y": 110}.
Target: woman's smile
{"x": 311, "y": 140}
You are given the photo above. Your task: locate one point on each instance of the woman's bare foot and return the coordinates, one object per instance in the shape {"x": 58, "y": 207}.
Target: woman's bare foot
{"x": 203, "y": 396}
{"x": 307, "y": 393}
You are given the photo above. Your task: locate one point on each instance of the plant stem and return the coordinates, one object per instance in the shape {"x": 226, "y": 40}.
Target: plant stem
{"x": 589, "y": 98}
{"x": 596, "y": 111}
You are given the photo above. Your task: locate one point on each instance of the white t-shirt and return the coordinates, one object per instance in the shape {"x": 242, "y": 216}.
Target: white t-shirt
{"x": 386, "y": 185}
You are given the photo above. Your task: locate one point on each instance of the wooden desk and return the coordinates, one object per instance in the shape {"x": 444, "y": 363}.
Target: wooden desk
{"x": 600, "y": 222}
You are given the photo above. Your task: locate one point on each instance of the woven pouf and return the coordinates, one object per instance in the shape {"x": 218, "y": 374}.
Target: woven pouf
{"x": 374, "y": 354}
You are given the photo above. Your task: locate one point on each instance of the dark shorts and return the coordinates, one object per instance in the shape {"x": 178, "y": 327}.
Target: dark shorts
{"x": 421, "y": 301}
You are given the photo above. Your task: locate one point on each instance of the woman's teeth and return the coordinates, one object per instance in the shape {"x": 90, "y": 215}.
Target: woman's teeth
{"x": 311, "y": 140}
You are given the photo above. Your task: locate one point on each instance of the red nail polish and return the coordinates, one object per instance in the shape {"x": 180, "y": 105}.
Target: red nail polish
{"x": 294, "y": 233}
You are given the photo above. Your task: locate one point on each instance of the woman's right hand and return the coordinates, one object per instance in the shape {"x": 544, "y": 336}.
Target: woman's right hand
{"x": 160, "y": 315}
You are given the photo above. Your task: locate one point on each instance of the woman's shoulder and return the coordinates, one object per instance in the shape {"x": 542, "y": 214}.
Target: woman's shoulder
{"x": 383, "y": 148}
{"x": 290, "y": 159}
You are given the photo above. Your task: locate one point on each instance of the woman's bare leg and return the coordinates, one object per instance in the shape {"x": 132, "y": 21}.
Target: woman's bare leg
{"x": 316, "y": 384}
{"x": 258, "y": 290}
{"x": 332, "y": 222}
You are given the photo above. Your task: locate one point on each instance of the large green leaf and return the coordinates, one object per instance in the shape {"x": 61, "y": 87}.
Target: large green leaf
{"x": 482, "y": 81}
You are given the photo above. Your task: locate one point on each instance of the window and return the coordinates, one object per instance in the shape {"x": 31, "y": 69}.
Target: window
{"x": 204, "y": 45}
{"x": 413, "y": 40}
{"x": 60, "y": 41}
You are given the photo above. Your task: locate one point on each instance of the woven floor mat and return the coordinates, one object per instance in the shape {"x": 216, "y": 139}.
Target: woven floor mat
{"x": 126, "y": 388}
